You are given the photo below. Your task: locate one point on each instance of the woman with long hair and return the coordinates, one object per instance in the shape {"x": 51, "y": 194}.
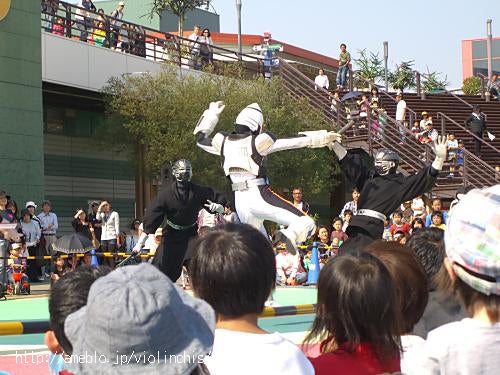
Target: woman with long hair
{"x": 357, "y": 320}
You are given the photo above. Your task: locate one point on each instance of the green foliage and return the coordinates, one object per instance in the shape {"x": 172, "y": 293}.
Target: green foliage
{"x": 471, "y": 86}
{"x": 432, "y": 82}
{"x": 403, "y": 76}
{"x": 370, "y": 68}
{"x": 161, "y": 112}
{"x": 177, "y": 7}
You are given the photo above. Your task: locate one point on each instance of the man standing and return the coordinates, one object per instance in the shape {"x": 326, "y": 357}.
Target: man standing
{"x": 177, "y": 207}
{"x": 321, "y": 80}
{"x": 298, "y": 202}
{"x": 401, "y": 115}
{"x": 116, "y": 24}
{"x": 344, "y": 60}
{"x": 48, "y": 221}
{"x": 476, "y": 123}
{"x": 194, "y": 47}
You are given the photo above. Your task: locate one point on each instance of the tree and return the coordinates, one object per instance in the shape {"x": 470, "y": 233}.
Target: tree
{"x": 432, "y": 81}
{"x": 161, "y": 111}
{"x": 368, "y": 67}
{"x": 471, "y": 86}
{"x": 403, "y": 77}
{"x": 177, "y": 7}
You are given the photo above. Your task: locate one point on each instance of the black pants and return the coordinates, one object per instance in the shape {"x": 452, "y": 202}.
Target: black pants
{"x": 34, "y": 271}
{"x": 172, "y": 252}
{"x": 478, "y": 143}
{"x": 358, "y": 239}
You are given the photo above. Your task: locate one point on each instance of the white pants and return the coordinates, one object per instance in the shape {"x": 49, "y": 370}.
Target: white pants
{"x": 259, "y": 203}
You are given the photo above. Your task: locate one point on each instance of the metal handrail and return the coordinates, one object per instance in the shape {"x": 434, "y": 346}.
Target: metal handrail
{"x": 155, "y": 42}
{"x": 441, "y": 114}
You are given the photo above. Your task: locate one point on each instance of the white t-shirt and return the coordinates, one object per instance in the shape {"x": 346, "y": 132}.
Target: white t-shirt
{"x": 250, "y": 353}
{"x": 413, "y": 348}
{"x": 418, "y": 206}
{"x": 400, "y": 110}
{"x": 465, "y": 347}
{"x": 321, "y": 81}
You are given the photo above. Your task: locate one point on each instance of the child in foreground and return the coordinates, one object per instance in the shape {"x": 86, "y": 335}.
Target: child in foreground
{"x": 234, "y": 270}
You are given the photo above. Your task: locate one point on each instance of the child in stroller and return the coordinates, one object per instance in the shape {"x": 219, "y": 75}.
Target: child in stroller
{"x": 18, "y": 280}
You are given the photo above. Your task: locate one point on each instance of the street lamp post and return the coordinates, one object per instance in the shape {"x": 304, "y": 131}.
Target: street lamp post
{"x": 386, "y": 57}
{"x": 488, "y": 46}
{"x": 238, "y": 10}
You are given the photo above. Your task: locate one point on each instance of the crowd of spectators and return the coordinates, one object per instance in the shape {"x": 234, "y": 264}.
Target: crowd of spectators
{"x": 428, "y": 307}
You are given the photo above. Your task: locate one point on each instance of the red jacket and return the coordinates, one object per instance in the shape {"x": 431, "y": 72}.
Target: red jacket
{"x": 362, "y": 361}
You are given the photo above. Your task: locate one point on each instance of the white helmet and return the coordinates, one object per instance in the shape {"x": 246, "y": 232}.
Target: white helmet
{"x": 251, "y": 117}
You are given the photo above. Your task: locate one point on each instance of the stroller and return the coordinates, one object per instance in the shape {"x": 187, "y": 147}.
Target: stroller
{"x": 20, "y": 282}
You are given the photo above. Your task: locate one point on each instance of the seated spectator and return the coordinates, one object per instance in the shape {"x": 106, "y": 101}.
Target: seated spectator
{"x": 387, "y": 236}
{"x": 351, "y": 205}
{"x": 323, "y": 237}
{"x": 423, "y": 121}
{"x": 400, "y": 237}
{"x": 415, "y": 129}
{"x": 356, "y": 318}
{"x": 347, "y": 219}
{"x": 437, "y": 220}
{"x": 398, "y": 225}
{"x": 428, "y": 135}
{"x": 155, "y": 317}
{"x": 60, "y": 269}
{"x": 58, "y": 27}
{"x": 230, "y": 215}
{"x": 471, "y": 272}
{"x": 417, "y": 224}
{"x": 289, "y": 270}
{"x": 436, "y": 205}
{"x": 18, "y": 263}
{"x": 428, "y": 245}
{"x": 132, "y": 238}
{"x": 207, "y": 220}
{"x": 234, "y": 269}
{"x": 418, "y": 207}
{"x": 375, "y": 99}
{"x": 321, "y": 80}
{"x": 452, "y": 147}
{"x": 407, "y": 212}
{"x": 412, "y": 293}
{"x": 337, "y": 231}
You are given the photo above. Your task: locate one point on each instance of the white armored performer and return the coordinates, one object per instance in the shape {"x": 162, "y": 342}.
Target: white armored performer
{"x": 244, "y": 152}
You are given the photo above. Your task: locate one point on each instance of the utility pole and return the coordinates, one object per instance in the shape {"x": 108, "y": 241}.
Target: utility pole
{"x": 238, "y": 10}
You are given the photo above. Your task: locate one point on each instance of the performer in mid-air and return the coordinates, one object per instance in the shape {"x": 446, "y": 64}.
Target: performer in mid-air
{"x": 244, "y": 152}
{"x": 177, "y": 207}
{"x": 382, "y": 189}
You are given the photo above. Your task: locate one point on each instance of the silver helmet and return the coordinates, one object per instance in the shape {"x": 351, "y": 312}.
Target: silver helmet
{"x": 386, "y": 162}
{"x": 182, "y": 170}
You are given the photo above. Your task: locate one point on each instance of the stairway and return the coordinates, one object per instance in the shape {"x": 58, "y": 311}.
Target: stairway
{"x": 414, "y": 156}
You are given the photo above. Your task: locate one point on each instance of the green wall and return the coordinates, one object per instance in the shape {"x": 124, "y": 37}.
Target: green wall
{"x": 21, "y": 129}
{"x": 136, "y": 11}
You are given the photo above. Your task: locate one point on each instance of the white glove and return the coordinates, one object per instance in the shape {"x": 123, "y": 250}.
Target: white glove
{"x": 137, "y": 248}
{"x": 140, "y": 243}
{"x": 440, "y": 148}
{"x": 214, "y": 207}
{"x": 321, "y": 138}
{"x": 208, "y": 121}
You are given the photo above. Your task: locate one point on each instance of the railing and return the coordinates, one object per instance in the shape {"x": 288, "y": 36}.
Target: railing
{"x": 71, "y": 21}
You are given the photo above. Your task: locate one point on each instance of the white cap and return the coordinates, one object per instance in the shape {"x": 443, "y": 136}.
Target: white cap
{"x": 30, "y": 204}
{"x": 251, "y": 117}
{"x": 121, "y": 3}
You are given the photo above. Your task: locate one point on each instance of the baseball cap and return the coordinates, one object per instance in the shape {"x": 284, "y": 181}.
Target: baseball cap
{"x": 472, "y": 239}
{"x": 147, "y": 317}
{"x": 425, "y": 113}
{"x": 121, "y": 3}
{"x": 30, "y": 204}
